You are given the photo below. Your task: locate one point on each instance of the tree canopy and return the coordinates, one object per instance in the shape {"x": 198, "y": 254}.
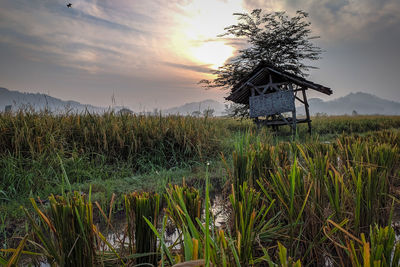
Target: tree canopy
{"x": 282, "y": 41}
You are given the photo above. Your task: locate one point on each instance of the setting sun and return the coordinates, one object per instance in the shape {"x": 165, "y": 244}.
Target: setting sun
{"x": 212, "y": 53}
{"x": 195, "y": 40}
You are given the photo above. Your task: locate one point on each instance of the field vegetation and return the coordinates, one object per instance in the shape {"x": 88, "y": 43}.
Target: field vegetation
{"x": 107, "y": 190}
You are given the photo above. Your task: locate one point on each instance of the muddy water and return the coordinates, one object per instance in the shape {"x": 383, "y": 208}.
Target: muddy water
{"x": 118, "y": 238}
{"x": 117, "y": 235}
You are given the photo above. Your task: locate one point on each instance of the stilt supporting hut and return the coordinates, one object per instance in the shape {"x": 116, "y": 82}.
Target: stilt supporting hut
{"x": 270, "y": 93}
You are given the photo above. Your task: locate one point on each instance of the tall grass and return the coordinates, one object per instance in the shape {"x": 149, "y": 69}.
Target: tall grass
{"x": 182, "y": 199}
{"x": 30, "y": 143}
{"x": 353, "y": 124}
{"x": 380, "y": 250}
{"x": 93, "y": 146}
{"x": 162, "y": 140}
{"x": 350, "y": 181}
{"x": 141, "y": 238}
{"x": 250, "y": 221}
{"x": 16, "y": 254}
{"x": 311, "y": 202}
{"x": 65, "y": 234}
{"x": 314, "y": 204}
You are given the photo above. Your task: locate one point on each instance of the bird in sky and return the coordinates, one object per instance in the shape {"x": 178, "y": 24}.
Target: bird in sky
{"x": 69, "y": 5}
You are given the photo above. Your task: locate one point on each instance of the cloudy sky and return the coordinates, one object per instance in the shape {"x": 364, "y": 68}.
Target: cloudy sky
{"x": 152, "y": 53}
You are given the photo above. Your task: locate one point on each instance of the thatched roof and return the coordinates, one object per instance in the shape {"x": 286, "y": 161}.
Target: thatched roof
{"x": 241, "y": 92}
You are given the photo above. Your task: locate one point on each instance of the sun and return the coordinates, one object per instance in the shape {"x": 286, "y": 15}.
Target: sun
{"x": 214, "y": 54}
{"x": 194, "y": 39}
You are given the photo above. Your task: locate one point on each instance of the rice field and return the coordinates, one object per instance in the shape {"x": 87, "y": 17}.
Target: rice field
{"x": 330, "y": 199}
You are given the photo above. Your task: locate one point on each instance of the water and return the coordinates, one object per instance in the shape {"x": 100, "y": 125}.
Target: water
{"x": 117, "y": 236}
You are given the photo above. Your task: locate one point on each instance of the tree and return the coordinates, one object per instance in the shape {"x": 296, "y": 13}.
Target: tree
{"x": 196, "y": 113}
{"x": 235, "y": 110}
{"x": 209, "y": 112}
{"x": 283, "y": 42}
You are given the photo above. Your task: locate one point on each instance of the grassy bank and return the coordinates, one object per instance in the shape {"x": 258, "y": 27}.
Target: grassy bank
{"x": 123, "y": 154}
{"x": 94, "y": 147}
{"x": 34, "y": 147}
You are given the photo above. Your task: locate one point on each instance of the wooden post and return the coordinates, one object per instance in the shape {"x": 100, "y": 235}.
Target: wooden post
{"x": 303, "y": 89}
{"x": 294, "y": 120}
{"x": 294, "y": 123}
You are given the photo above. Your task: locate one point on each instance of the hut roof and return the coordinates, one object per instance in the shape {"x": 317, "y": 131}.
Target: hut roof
{"x": 241, "y": 92}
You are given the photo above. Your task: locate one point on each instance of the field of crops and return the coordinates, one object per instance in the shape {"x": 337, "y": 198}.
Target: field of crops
{"x": 251, "y": 197}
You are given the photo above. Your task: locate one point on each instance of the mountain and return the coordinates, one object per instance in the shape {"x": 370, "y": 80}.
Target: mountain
{"x": 195, "y": 107}
{"x": 39, "y": 102}
{"x": 361, "y": 103}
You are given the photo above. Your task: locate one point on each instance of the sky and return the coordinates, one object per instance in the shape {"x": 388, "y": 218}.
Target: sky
{"x": 151, "y": 54}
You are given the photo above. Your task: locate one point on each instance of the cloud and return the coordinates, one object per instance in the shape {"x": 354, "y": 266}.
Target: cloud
{"x": 142, "y": 46}
{"x": 118, "y": 37}
{"x": 76, "y": 14}
{"x": 90, "y": 36}
{"x": 340, "y": 19}
{"x": 197, "y": 68}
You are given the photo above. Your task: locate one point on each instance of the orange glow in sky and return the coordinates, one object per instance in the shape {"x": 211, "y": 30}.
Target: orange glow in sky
{"x": 195, "y": 38}
{"x": 212, "y": 53}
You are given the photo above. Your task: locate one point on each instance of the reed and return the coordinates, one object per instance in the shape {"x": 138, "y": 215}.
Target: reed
{"x": 16, "y": 254}
{"x": 202, "y": 241}
{"x": 380, "y": 250}
{"x": 350, "y": 180}
{"x": 182, "y": 199}
{"x": 312, "y": 202}
{"x": 141, "y": 238}
{"x": 250, "y": 221}
{"x": 30, "y": 143}
{"x": 122, "y": 137}
{"x": 284, "y": 259}
{"x": 252, "y": 160}
{"x": 353, "y": 124}
{"x": 184, "y": 210}
{"x": 65, "y": 233}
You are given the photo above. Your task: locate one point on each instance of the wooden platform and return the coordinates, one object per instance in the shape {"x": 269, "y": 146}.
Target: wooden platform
{"x": 281, "y": 122}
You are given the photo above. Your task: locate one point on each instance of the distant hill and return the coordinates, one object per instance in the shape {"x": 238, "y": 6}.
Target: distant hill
{"x": 40, "y": 102}
{"x": 193, "y": 107}
{"x": 362, "y": 103}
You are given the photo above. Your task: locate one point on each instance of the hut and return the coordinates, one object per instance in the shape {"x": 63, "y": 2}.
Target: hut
{"x": 8, "y": 108}
{"x": 270, "y": 93}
